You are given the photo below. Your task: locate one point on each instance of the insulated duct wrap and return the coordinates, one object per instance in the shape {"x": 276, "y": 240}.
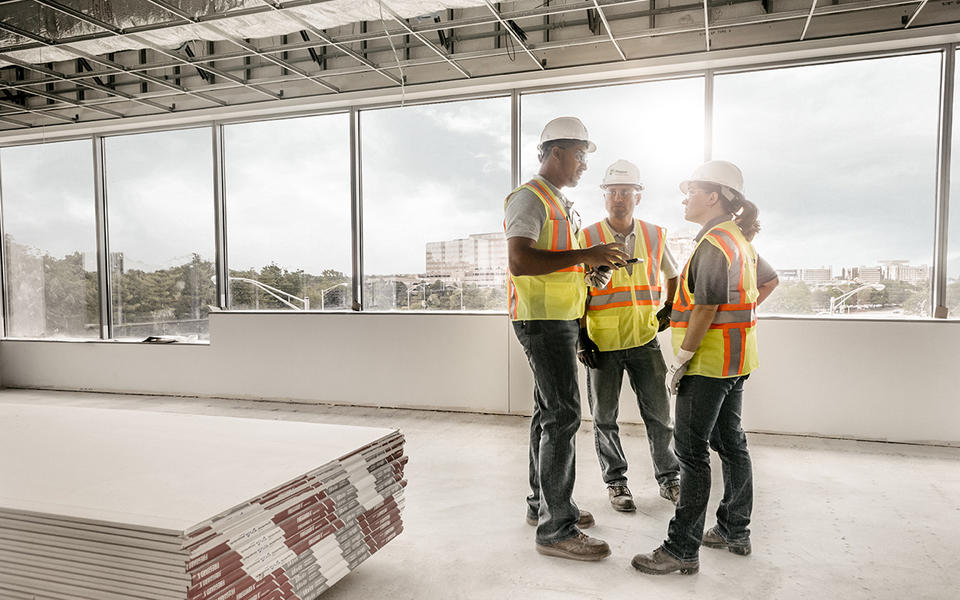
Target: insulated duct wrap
{"x": 55, "y": 25}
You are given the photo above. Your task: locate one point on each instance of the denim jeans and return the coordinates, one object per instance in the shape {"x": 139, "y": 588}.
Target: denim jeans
{"x": 646, "y": 370}
{"x": 708, "y": 414}
{"x": 551, "y": 348}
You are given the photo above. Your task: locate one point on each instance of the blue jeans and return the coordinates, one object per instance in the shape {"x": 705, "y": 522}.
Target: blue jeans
{"x": 708, "y": 415}
{"x": 646, "y": 370}
{"x": 551, "y": 348}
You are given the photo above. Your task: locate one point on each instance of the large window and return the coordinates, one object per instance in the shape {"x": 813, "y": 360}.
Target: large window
{"x": 656, "y": 125}
{"x": 288, "y": 213}
{"x": 953, "y": 252}
{"x": 841, "y": 161}
{"x": 434, "y": 181}
{"x": 160, "y": 202}
{"x": 50, "y": 242}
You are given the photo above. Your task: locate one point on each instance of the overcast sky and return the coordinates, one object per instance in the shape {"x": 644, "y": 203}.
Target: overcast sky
{"x": 839, "y": 158}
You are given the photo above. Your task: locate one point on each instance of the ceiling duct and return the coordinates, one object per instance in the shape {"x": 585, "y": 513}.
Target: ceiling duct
{"x": 254, "y": 19}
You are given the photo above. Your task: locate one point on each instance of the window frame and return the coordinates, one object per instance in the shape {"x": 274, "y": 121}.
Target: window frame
{"x": 948, "y": 53}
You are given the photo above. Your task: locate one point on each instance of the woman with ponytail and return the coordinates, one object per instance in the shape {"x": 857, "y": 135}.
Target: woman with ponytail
{"x": 715, "y": 346}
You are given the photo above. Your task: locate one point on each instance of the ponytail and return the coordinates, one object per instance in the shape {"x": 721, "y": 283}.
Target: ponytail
{"x": 745, "y": 212}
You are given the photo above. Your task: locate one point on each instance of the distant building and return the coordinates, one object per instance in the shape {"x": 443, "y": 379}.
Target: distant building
{"x": 869, "y": 274}
{"x": 480, "y": 259}
{"x": 821, "y": 275}
{"x": 788, "y": 274}
{"x": 902, "y": 270}
{"x": 681, "y": 245}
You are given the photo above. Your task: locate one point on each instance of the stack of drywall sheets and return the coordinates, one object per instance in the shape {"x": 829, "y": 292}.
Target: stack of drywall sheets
{"x": 109, "y": 505}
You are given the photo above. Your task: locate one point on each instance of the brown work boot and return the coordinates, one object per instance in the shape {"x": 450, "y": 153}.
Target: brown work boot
{"x": 712, "y": 539}
{"x": 671, "y": 491}
{"x": 579, "y": 547}
{"x": 620, "y": 498}
{"x": 585, "y": 521}
{"x": 661, "y": 562}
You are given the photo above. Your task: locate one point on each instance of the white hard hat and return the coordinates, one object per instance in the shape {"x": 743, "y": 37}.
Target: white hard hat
{"x": 719, "y": 172}
{"x": 622, "y": 172}
{"x": 566, "y": 128}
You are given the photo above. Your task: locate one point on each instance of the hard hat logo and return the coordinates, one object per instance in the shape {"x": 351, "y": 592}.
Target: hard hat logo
{"x": 622, "y": 172}
{"x": 566, "y": 128}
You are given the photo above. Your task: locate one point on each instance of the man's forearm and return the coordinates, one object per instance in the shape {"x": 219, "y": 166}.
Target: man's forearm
{"x": 700, "y": 322}
{"x": 534, "y": 261}
{"x": 671, "y": 289}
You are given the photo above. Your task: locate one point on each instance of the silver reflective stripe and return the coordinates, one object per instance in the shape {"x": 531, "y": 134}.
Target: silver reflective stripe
{"x": 625, "y": 296}
{"x": 734, "y": 316}
{"x": 723, "y": 317}
{"x": 563, "y": 236}
{"x": 594, "y": 234}
{"x": 613, "y": 298}
{"x": 735, "y": 337}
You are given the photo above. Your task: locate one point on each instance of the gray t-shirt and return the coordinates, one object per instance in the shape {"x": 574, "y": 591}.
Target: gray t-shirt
{"x": 709, "y": 273}
{"x": 525, "y": 214}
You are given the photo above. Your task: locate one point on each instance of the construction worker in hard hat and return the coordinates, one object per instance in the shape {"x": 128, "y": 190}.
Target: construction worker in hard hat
{"x": 619, "y": 333}
{"x": 714, "y": 330}
{"x": 546, "y": 295}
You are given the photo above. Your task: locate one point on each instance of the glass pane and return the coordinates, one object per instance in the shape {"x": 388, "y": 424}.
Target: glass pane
{"x": 841, "y": 161}
{"x": 656, "y": 125}
{"x": 160, "y": 204}
{"x": 953, "y": 253}
{"x": 49, "y": 218}
{"x": 434, "y": 181}
{"x": 288, "y": 214}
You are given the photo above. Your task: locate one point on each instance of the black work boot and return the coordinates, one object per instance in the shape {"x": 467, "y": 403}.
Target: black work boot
{"x": 661, "y": 562}
{"x": 712, "y": 539}
{"x": 621, "y": 499}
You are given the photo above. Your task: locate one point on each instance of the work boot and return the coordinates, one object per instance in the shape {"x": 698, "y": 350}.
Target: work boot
{"x": 585, "y": 521}
{"x": 712, "y": 539}
{"x": 661, "y": 562}
{"x": 620, "y": 498}
{"x": 671, "y": 491}
{"x": 579, "y": 547}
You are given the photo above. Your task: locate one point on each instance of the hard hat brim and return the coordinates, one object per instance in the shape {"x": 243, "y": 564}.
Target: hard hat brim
{"x": 591, "y": 147}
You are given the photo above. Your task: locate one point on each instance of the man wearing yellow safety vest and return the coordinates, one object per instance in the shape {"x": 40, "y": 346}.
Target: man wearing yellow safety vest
{"x": 715, "y": 341}
{"x": 619, "y": 333}
{"x": 546, "y": 294}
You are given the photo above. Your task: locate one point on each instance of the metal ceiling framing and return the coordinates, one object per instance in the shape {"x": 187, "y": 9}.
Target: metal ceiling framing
{"x": 66, "y": 103}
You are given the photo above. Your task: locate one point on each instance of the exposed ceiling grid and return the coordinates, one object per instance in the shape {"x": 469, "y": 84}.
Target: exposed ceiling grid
{"x": 121, "y": 58}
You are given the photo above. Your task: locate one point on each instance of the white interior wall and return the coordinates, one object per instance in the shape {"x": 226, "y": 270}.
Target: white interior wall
{"x": 860, "y": 379}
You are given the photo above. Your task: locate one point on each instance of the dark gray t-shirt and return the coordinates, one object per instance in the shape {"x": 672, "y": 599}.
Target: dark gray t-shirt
{"x": 709, "y": 272}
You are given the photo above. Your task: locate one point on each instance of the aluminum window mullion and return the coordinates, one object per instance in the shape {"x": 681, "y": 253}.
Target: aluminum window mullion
{"x": 515, "y": 139}
{"x": 356, "y": 208}
{"x": 707, "y": 115}
{"x": 938, "y": 289}
{"x": 5, "y": 309}
{"x": 103, "y": 240}
{"x": 220, "y": 219}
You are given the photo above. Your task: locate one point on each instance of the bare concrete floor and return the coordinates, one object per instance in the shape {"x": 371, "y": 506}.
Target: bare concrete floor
{"x": 832, "y": 519}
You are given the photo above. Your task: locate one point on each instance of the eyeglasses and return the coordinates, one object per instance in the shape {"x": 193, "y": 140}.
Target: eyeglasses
{"x": 580, "y": 155}
{"x": 628, "y": 194}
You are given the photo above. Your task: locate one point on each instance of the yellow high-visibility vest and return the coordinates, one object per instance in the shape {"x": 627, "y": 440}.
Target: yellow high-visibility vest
{"x": 624, "y": 314}
{"x": 555, "y": 296}
{"x": 729, "y": 349}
